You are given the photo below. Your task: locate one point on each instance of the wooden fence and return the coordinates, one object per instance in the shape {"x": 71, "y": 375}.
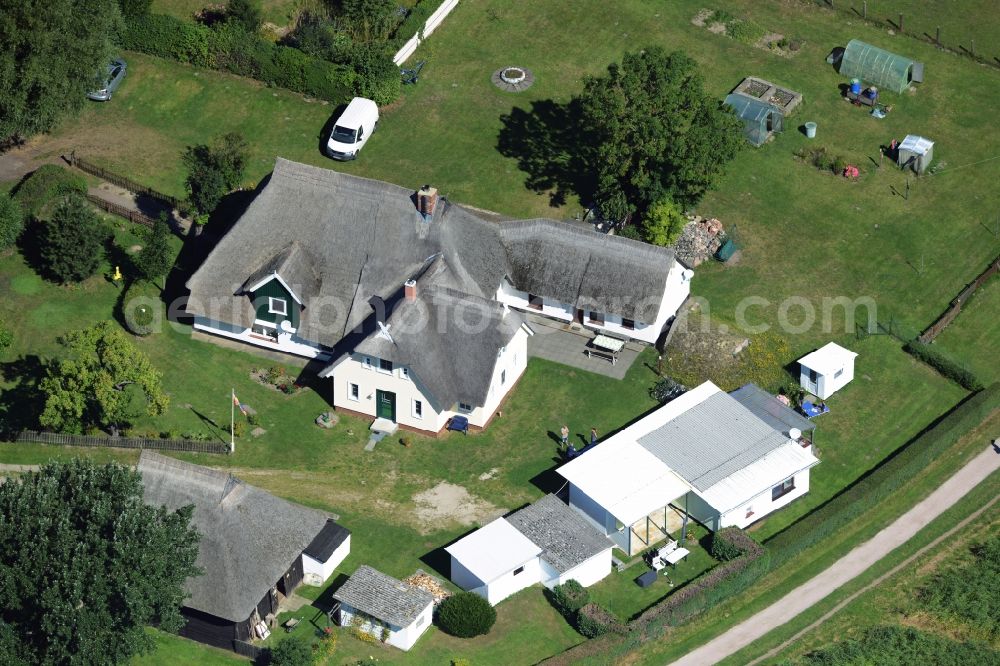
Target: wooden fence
{"x": 32, "y": 436}
{"x": 120, "y": 181}
{"x": 956, "y": 305}
{"x": 122, "y": 211}
{"x": 259, "y": 655}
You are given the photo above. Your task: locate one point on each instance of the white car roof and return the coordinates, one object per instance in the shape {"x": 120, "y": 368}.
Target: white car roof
{"x": 356, "y": 112}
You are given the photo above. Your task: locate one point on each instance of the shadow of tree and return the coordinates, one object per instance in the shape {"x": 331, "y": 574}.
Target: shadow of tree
{"x": 548, "y": 143}
{"x": 21, "y": 404}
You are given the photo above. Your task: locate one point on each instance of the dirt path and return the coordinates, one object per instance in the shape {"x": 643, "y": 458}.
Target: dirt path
{"x": 848, "y": 567}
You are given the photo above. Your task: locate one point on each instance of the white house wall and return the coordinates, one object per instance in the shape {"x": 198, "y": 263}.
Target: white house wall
{"x": 762, "y": 504}
{"x": 598, "y": 516}
{"x": 501, "y": 587}
{"x": 288, "y": 343}
{"x": 400, "y": 637}
{"x": 465, "y": 579}
{"x": 702, "y": 511}
{"x": 589, "y": 571}
{"x": 325, "y": 569}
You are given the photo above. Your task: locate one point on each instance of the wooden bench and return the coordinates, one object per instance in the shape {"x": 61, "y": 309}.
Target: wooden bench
{"x": 862, "y": 99}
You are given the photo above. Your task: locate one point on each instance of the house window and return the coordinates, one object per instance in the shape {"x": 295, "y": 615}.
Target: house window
{"x": 420, "y": 621}
{"x": 354, "y": 392}
{"x": 503, "y": 377}
{"x": 628, "y": 324}
{"x": 384, "y": 365}
{"x": 596, "y": 318}
{"x": 534, "y": 302}
{"x": 404, "y": 373}
{"x": 464, "y": 407}
{"x": 418, "y": 409}
{"x": 277, "y": 306}
{"x": 270, "y": 332}
{"x": 813, "y": 376}
{"x": 518, "y": 570}
{"x": 838, "y": 373}
{"x": 367, "y": 362}
{"x": 782, "y": 489}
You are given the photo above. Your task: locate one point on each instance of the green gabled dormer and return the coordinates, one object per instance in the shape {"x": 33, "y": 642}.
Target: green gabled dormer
{"x": 278, "y": 290}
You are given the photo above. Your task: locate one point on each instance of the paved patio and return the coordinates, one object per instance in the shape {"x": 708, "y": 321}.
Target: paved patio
{"x": 566, "y": 343}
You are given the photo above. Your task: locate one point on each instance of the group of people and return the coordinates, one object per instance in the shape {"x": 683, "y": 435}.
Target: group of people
{"x": 564, "y": 436}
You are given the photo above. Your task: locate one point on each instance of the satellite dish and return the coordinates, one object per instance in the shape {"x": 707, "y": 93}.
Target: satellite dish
{"x": 285, "y": 326}
{"x": 687, "y": 274}
{"x": 795, "y": 433}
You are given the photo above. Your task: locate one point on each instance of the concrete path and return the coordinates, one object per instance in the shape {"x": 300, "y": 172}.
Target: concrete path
{"x": 848, "y": 567}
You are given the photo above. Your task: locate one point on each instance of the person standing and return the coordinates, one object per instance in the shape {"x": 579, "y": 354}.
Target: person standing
{"x": 564, "y": 433}
{"x": 593, "y": 436}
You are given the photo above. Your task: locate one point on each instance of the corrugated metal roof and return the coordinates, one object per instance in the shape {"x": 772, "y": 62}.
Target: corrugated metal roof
{"x": 916, "y": 144}
{"x": 758, "y": 477}
{"x": 493, "y": 550}
{"x": 712, "y": 440}
{"x": 766, "y": 407}
{"x": 828, "y": 359}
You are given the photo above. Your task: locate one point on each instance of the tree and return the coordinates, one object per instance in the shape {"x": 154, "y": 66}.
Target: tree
{"x": 376, "y": 75}
{"x": 292, "y": 652}
{"x": 154, "y": 259}
{"x": 11, "y": 221}
{"x": 92, "y": 384}
{"x": 652, "y": 132}
{"x": 85, "y": 565}
{"x": 133, "y": 9}
{"x": 6, "y": 338}
{"x": 245, "y": 14}
{"x": 663, "y": 223}
{"x": 72, "y": 242}
{"x": 369, "y": 20}
{"x": 466, "y": 614}
{"x": 51, "y": 54}
{"x": 214, "y": 171}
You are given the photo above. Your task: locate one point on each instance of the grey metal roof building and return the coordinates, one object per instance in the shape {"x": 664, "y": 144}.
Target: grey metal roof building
{"x": 714, "y": 439}
{"x": 565, "y": 537}
{"x": 383, "y": 597}
{"x": 770, "y": 410}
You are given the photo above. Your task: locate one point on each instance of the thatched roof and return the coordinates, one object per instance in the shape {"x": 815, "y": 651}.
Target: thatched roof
{"x": 249, "y": 538}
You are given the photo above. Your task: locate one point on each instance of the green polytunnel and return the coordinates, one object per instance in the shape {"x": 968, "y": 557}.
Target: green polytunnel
{"x": 879, "y": 67}
{"x": 760, "y": 118}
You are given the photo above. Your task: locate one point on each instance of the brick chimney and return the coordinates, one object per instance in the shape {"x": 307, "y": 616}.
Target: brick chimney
{"x": 410, "y": 290}
{"x": 427, "y": 197}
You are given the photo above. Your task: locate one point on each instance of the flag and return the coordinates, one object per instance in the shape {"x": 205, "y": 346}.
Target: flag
{"x": 238, "y": 405}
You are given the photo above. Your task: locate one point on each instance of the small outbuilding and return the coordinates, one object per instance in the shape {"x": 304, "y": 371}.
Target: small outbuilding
{"x": 760, "y": 118}
{"x": 384, "y": 607}
{"x": 879, "y": 67}
{"x": 915, "y": 152}
{"x": 826, "y": 370}
{"x": 495, "y": 561}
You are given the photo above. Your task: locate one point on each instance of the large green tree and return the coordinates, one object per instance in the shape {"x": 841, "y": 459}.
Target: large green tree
{"x": 85, "y": 565}
{"x": 649, "y": 131}
{"x": 101, "y": 381}
{"x": 51, "y": 52}
{"x": 72, "y": 242}
{"x": 215, "y": 170}
{"x": 155, "y": 258}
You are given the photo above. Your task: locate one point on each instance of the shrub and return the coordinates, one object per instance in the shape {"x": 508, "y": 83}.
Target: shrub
{"x": 720, "y": 16}
{"x": 732, "y": 542}
{"x": 6, "y": 338}
{"x": 466, "y": 615}
{"x": 376, "y": 75}
{"x": 663, "y": 223}
{"x": 239, "y": 428}
{"x": 11, "y": 221}
{"x": 245, "y": 14}
{"x": 134, "y": 8}
{"x": 666, "y": 389}
{"x": 291, "y": 652}
{"x": 47, "y": 183}
{"x": 72, "y": 242}
{"x": 155, "y": 258}
{"x": 632, "y": 231}
{"x": 932, "y": 357}
{"x": 885, "y": 479}
{"x": 569, "y": 597}
{"x": 594, "y": 620}
{"x": 214, "y": 171}
{"x": 744, "y": 31}
{"x": 142, "y": 309}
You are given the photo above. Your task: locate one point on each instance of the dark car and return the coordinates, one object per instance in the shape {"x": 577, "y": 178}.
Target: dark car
{"x": 113, "y": 79}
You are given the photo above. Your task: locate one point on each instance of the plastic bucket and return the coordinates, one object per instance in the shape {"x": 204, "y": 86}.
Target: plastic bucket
{"x": 856, "y": 86}
{"x": 811, "y": 130}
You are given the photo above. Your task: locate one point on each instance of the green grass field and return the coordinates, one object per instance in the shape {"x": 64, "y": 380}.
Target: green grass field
{"x": 973, "y": 338}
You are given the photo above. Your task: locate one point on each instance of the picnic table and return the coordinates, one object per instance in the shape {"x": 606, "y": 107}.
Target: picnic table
{"x": 605, "y": 346}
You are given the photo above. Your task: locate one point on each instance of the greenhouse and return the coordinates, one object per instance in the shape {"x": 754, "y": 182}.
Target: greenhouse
{"x": 879, "y": 67}
{"x": 760, "y": 118}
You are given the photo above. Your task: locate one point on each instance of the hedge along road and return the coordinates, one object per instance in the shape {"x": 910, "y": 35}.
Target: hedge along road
{"x": 848, "y": 567}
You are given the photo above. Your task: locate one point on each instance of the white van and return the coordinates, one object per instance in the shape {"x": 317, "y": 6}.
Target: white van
{"x": 352, "y": 129}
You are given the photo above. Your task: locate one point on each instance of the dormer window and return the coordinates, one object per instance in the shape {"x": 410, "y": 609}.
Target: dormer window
{"x": 277, "y": 306}
{"x": 384, "y": 365}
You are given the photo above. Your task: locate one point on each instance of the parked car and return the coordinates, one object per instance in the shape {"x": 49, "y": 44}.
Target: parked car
{"x": 114, "y": 75}
{"x": 352, "y": 129}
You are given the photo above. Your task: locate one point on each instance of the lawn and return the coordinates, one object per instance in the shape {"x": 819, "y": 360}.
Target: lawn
{"x": 973, "y": 339}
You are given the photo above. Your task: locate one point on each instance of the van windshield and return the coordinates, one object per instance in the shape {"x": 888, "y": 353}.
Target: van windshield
{"x": 343, "y": 134}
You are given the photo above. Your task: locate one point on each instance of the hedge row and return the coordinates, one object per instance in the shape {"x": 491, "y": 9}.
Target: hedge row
{"x": 932, "y": 357}
{"x": 885, "y": 480}
{"x": 731, "y": 542}
{"x": 230, "y": 48}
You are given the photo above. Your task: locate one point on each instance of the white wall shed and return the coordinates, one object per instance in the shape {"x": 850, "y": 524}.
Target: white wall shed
{"x": 826, "y": 370}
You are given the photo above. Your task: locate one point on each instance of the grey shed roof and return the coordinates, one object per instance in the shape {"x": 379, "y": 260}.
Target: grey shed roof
{"x": 712, "y": 440}
{"x": 383, "y": 597}
{"x": 770, "y": 410}
{"x": 448, "y": 339}
{"x": 565, "y": 537}
{"x": 249, "y": 538}
{"x": 345, "y": 239}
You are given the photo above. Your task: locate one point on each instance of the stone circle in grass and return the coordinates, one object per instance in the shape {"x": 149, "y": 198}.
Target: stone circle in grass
{"x": 513, "y": 79}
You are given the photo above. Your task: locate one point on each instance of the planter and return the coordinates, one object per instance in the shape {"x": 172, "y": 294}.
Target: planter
{"x": 513, "y": 75}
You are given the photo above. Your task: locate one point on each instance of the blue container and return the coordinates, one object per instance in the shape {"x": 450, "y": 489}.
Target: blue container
{"x": 855, "y": 86}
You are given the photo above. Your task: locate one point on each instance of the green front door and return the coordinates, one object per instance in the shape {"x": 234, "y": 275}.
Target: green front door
{"x": 385, "y": 405}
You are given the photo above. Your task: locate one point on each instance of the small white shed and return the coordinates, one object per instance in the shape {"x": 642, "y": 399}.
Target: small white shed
{"x": 826, "y": 370}
{"x": 915, "y": 152}
{"x": 384, "y": 607}
{"x": 495, "y": 561}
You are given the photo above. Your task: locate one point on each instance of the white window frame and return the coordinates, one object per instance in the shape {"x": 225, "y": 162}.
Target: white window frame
{"x": 367, "y": 362}
{"x": 503, "y": 377}
{"x": 837, "y": 374}
{"x": 353, "y": 392}
{"x": 418, "y": 408}
{"x": 404, "y": 373}
{"x": 271, "y": 300}
{"x": 465, "y": 407}
{"x": 384, "y": 371}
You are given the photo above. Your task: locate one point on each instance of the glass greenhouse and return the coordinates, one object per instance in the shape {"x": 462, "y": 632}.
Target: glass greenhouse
{"x": 760, "y": 118}
{"x": 879, "y": 67}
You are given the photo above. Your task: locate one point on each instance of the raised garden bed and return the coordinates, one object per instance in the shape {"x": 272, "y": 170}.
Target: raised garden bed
{"x": 761, "y": 89}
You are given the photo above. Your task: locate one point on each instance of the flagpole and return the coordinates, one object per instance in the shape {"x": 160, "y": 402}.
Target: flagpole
{"x": 232, "y": 418}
